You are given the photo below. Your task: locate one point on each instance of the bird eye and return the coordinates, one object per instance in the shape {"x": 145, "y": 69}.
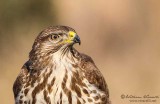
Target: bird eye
{"x": 54, "y": 37}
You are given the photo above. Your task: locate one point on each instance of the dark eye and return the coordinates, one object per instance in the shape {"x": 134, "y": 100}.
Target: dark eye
{"x": 54, "y": 37}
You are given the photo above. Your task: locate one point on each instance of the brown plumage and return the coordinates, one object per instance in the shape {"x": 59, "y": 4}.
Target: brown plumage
{"x": 56, "y": 73}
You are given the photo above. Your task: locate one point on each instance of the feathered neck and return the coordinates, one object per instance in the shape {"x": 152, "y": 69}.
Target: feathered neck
{"x": 67, "y": 55}
{"x": 43, "y": 58}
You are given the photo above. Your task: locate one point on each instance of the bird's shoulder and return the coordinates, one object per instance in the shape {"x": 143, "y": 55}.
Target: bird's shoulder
{"x": 92, "y": 73}
{"x": 17, "y": 86}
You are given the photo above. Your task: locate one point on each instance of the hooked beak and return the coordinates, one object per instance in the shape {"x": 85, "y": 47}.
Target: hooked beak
{"x": 77, "y": 39}
{"x": 73, "y": 38}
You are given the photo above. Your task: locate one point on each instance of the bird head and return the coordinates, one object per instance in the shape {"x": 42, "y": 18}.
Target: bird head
{"x": 55, "y": 38}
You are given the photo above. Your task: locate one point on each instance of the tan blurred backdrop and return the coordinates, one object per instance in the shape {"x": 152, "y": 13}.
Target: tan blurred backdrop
{"x": 122, "y": 37}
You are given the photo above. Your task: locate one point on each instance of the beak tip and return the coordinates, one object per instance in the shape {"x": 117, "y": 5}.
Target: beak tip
{"x": 77, "y": 40}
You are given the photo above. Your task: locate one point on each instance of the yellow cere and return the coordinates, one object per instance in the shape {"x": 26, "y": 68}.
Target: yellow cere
{"x": 71, "y": 36}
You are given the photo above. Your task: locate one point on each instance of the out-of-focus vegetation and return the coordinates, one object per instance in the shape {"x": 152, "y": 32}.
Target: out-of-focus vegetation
{"x": 19, "y": 16}
{"x": 122, "y": 37}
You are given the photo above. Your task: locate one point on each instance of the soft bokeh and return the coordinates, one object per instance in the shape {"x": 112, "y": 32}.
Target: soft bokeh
{"x": 122, "y": 37}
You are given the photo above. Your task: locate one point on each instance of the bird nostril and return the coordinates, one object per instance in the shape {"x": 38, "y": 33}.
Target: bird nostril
{"x": 71, "y": 35}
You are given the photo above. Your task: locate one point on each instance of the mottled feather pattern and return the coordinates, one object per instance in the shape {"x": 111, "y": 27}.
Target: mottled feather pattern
{"x": 58, "y": 74}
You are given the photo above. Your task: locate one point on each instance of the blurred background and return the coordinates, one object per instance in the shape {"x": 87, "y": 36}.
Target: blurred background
{"x": 122, "y": 37}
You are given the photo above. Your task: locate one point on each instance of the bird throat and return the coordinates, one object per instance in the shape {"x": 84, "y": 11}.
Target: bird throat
{"x": 41, "y": 59}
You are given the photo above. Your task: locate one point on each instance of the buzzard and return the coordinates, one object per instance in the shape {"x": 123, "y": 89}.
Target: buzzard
{"x": 56, "y": 73}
